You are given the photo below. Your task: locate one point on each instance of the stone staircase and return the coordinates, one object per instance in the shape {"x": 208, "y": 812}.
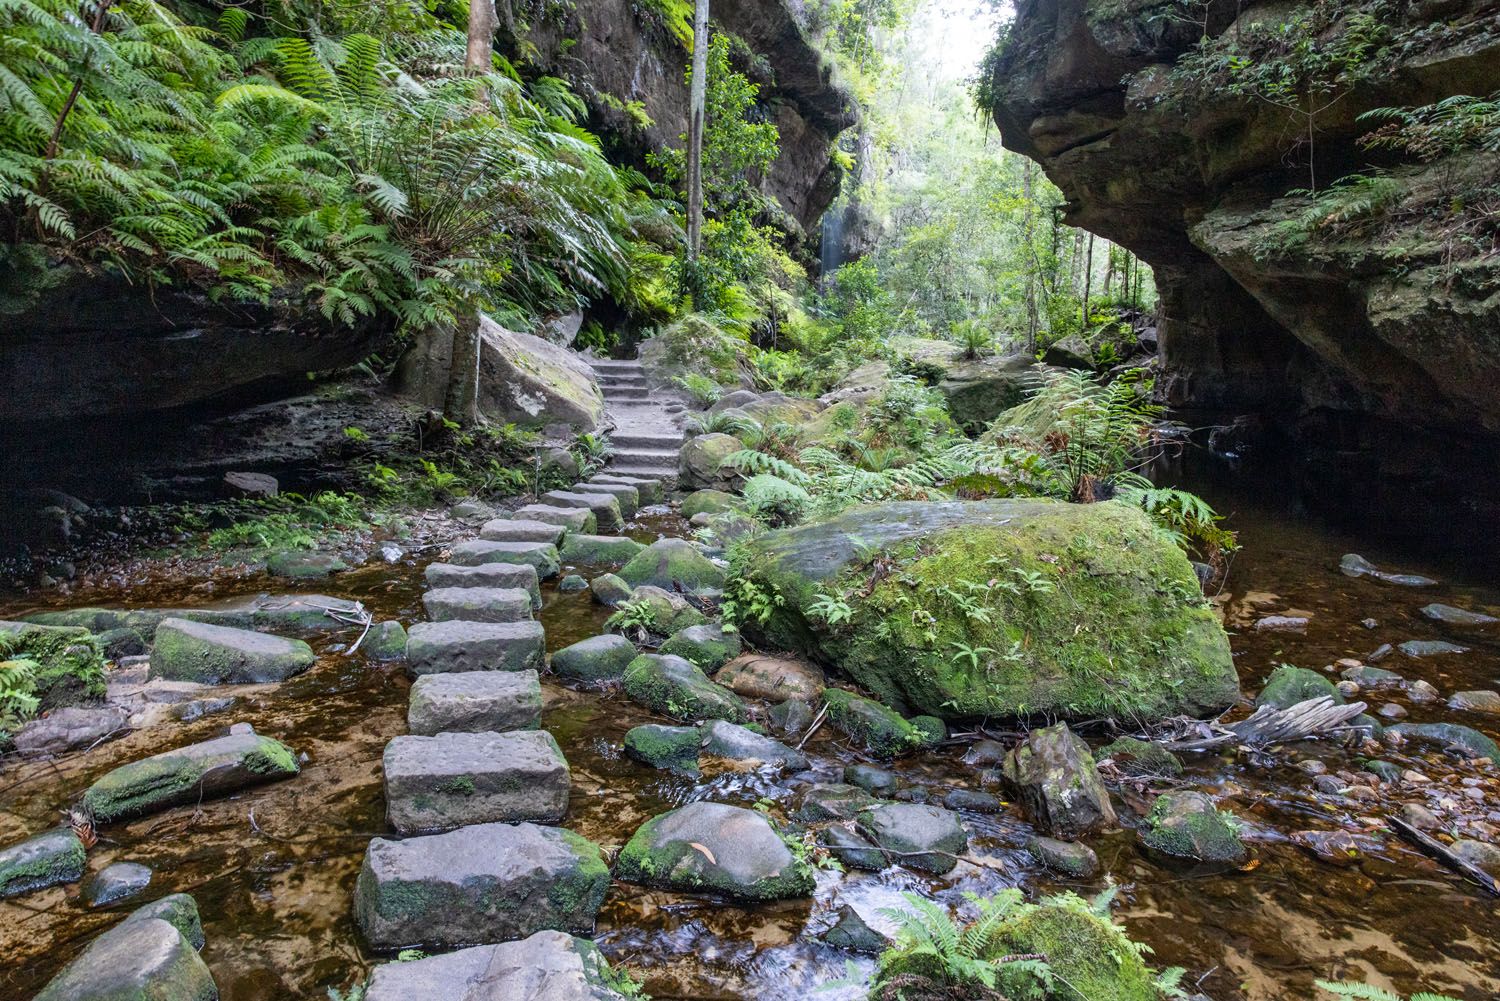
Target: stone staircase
{"x": 648, "y": 424}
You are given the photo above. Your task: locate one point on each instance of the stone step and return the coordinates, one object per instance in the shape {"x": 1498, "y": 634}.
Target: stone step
{"x": 455, "y": 647}
{"x": 624, "y": 377}
{"x": 627, "y": 495}
{"x": 606, "y": 507}
{"x": 598, "y": 550}
{"x": 477, "y": 604}
{"x": 650, "y": 457}
{"x": 542, "y": 555}
{"x": 649, "y": 488}
{"x": 631, "y": 469}
{"x": 666, "y": 440}
{"x": 476, "y": 702}
{"x": 516, "y": 530}
{"x": 572, "y": 519}
{"x": 615, "y": 364}
{"x": 482, "y": 884}
{"x": 487, "y": 575}
{"x": 625, "y": 393}
{"x": 453, "y": 780}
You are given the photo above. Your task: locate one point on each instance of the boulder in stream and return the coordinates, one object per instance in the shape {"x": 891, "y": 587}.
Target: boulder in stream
{"x": 1449, "y": 735}
{"x": 709, "y": 502}
{"x": 671, "y": 747}
{"x": 548, "y": 966}
{"x": 1068, "y": 858}
{"x": 1449, "y": 615}
{"x": 1430, "y": 648}
{"x": 596, "y": 659}
{"x": 834, "y": 801}
{"x": 116, "y": 882}
{"x": 386, "y": 642}
{"x": 1054, "y": 775}
{"x": 775, "y": 679}
{"x": 141, "y": 960}
{"x": 189, "y": 774}
{"x": 729, "y": 740}
{"x": 179, "y": 910}
{"x": 915, "y": 835}
{"x": 716, "y": 848}
{"x": 596, "y": 550}
{"x": 879, "y": 729}
{"x": 222, "y": 655}
{"x": 700, "y": 463}
{"x": 708, "y": 645}
{"x": 1290, "y": 685}
{"x": 1185, "y": 825}
{"x": 675, "y": 687}
{"x": 50, "y": 858}
{"x": 609, "y": 590}
{"x": 673, "y": 565}
{"x": 68, "y": 728}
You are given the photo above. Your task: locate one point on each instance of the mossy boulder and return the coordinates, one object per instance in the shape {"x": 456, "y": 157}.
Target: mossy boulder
{"x": 674, "y": 565}
{"x": 715, "y": 848}
{"x": 179, "y": 910}
{"x": 219, "y": 655}
{"x": 190, "y": 774}
{"x": 709, "y": 646}
{"x": 69, "y": 661}
{"x": 699, "y": 464}
{"x": 915, "y": 835}
{"x": 671, "y": 747}
{"x": 1087, "y": 610}
{"x": 597, "y": 550}
{"x": 834, "y": 801}
{"x": 677, "y": 688}
{"x": 730, "y": 740}
{"x": 1446, "y": 735}
{"x": 386, "y": 642}
{"x": 53, "y": 857}
{"x": 1185, "y": 825}
{"x": 878, "y": 729}
{"x": 709, "y": 502}
{"x": 1089, "y": 953}
{"x": 1069, "y": 858}
{"x": 598, "y": 658}
{"x": 1289, "y": 685}
{"x": 142, "y": 960}
{"x": 1140, "y": 758}
{"x": 609, "y": 590}
{"x": 670, "y": 613}
{"x": 1055, "y": 777}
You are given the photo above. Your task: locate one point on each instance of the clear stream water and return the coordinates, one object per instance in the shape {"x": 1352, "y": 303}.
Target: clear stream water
{"x": 273, "y": 868}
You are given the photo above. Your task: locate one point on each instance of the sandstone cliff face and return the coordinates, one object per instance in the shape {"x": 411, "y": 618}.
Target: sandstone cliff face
{"x": 1376, "y": 344}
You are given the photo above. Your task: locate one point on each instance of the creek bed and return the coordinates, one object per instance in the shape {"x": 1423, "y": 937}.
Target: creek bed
{"x": 273, "y": 868}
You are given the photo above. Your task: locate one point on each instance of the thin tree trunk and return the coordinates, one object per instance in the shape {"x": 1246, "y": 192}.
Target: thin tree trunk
{"x": 697, "y": 112}
{"x": 480, "y": 55}
{"x": 1088, "y": 282}
{"x": 461, "y": 404}
{"x": 1032, "y": 264}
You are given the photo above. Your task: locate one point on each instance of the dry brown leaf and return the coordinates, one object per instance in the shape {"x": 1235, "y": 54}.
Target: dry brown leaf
{"x": 706, "y": 853}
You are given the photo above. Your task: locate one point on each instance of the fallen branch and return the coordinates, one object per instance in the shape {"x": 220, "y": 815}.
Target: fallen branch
{"x": 1268, "y": 725}
{"x": 817, "y": 722}
{"x": 1440, "y": 852}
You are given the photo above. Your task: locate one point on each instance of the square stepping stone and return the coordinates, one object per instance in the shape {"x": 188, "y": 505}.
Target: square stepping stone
{"x": 651, "y": 491}
{"x": 542, "y": 555}
{"x": 508, "y": 575}
{"x": 455, "y": 647}
{"x": 597, "y": 550}
{"x": 477, "y": 604}
{"x": 481, "y": 884}
{"x": 516, "y": 530}
{"x": 452, "y": 780}
{"x": 476, "y": 702}
{"x": 626, "y": 494}
{"x": 606, "y": 507}
{"x": 573, "y": 519}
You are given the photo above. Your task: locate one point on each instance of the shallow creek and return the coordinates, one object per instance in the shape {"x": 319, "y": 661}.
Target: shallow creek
{"x": 273, "y": 868}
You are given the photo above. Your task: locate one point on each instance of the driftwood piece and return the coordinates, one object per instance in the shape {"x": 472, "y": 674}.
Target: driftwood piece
{"x": 1268, "y": 725}
{"x": 1440, "y": 852}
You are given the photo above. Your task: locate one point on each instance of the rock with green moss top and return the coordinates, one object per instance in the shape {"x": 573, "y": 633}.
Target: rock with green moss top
{"x": 1289, "y": 685}
{"x": 542, "y": 556}
{"x": 448, "y": 780}
{"x": 143, "y": 960}
{"x": 1139, "y": 758}
{"x": 677, "y": 688}
{"x": 95, "y": 620}
{"x": 1071, "y": 859}
{"x": 1185, "y": 825}
{"x": 700, "y": 463}
{"x": 1446, "y": 735}
{"x": 609, "y": 590}
{"x": 56, "y": 856}
{"x": 1091, "y": 612}
{"x": 596, "y": 659}
{"x": 715, "y": 848}
{"x": 122, "y": 642}
{"x": 834, "y": 801}
{"x": 878, "y": 729}
{"x": 915, "y": 835}
{"x": 220, "y": 655}
{"x": 596, "y": 550}
{"x": 1089, "y": 953}
{"x": 304, "y": 566}
{"x": 69, "y": 661}
{"x": 548, "y": 966}
{"x": 572, "y": 584}
{"x": 386, "y": 642}
{"x": 1058, "y": 784}
{"x": 738, "y": 743}
{"x": 709, "y": 502}
{"x": 674, "y": 748}
{"x": 670, "y": 613}
{"x": 190, "y": 774}
{"x": 932, "y": 730}
{"x": 710, "y": 645}
{"x": 482, "y": 883}
{"x": 673, "y": 565}
{"x": 179, "y": 910}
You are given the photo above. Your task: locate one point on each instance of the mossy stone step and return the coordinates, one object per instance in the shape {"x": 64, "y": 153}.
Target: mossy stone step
{"x": 481, "y": 884}
{"x": 503, "y": 575}
{"x": 455, "y": 646}
{"x": 649, "y": 489}
{"x": 627, "y": 495}
{"x": 452, "y": 780}
{"x": 475, "y": 702}
{"x": 477, "y": 604}
{"x": 596, "y": 550}
{"x": 541, "y": 555}
{"x": 605, "y": 507}
{"x": 522, "y": 530}
{"x": 49, "y": 858}
{"x": 190, "y": 774}
{"x": 570, "y": 518}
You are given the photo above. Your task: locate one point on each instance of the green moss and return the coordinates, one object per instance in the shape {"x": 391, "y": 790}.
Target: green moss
{"x": 70, "y": 662}
{"x": 1289, "y": 685}
{"x": 680, "y": 864}
{"x": 582, "y": 890}
{"x": 45, "y": 860}
{"x": 709, "y": 502}
{"x": 458, "y": 785}
{"x": 272, "y": 757}
{"x": 1091, "y": 956}
{"x": 1186, "y": 825}
{"x": 879, "y": 729}
{"x": 930, "y": 729}
{"x": 677, "y": 688}
{"x": 1140, "y": 758}
{"x": 673, "y": 747}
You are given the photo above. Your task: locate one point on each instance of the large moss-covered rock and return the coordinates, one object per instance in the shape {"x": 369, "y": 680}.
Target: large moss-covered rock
{"x": 699, "y": 464}
{"x": 598, "y": 658}
{"x": 709, "y": 502}
{"x": 709, "y": 645}
{"x": 56, "y": 856}
{"x": 677, "y": 688}
{"x": 673, "y": 564}
{"x": 1100, "y": 615}
{"x": 672, "y": 747}
{"x": 878, "y": 729}
{"x": 141, "y": 960}
{"x": 69, "y": 661}
{"x": 218, "y": 655}
{"x": 1186, "y": 825}
{"x": 1290, "y": 685}
{"x": 595, "y": 550}
{"x": 715, "y": 848}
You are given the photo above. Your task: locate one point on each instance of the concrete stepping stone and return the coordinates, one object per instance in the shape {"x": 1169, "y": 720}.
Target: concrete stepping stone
{"x": 140, "y": 959}
{"x": 514, "y": 530}
{"x": 504, "y": 575}
{"x": 595, "y": 550}
{"x": 476, "y": 702}
{"x": 190, "y": 774}
{"x": 55, "y": 856}
{"x": 223, "y": 655}
{"x": 477, "y": 604}
{"x": 486, "y": 883}
{"x": 629, "y": 498}
{"x": 572, "y": 519}
{"x": 541, "y": 555}
{"x": 452, "y": 780}
{"x": 649, "y": 489}
{"x": 548, "y": 966}
{"x": 605, "y": 507}
{"x": 456, "y": 646}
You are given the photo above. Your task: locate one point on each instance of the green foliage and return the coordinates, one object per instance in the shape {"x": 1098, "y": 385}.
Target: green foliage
{"x": 737, "y": 425}
{"x": 701, "y": 388}
{"x": 1185, "y": 518}
{"x": 18, "y": 698}
{"x": 287, "y": 521}
{"x": 1366, "y": 992}
{"x": 927, "y": 938}
{"x": 634, "y": 617}
{"x": 1453, "y": 125}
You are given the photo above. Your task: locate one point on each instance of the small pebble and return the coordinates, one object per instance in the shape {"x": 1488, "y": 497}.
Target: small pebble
{"x": 1362, "y": 794}
{"x": 1344, "y": 663}
{"x": 1419, "y": 817}
{"x": 1312, "y": 766}
{"x": 1369, "y": 623}
{"x": 1392, "y": 711}
{"x": 1348, "y": 689}
{"x": 1421, "y": 692}
{"x": 1328, "y": 784}
{"x": 1414, "y": 777}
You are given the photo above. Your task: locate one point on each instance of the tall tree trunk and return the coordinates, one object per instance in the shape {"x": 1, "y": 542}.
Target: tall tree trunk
{"x": 461, "y": 403}
{"x": 1033, "y": 266}
{"x": 480, "y": 55}
{"x": 1088, "y": 282}
{"x": 697, "y": 112}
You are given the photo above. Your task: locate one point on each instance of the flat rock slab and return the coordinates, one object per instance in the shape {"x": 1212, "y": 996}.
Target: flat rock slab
{"x": 541, "y": 555}
{"x": 1439, "y": 612}
{"x": 143, "y": 960}
{"x": 454, "y": 779}
{"x": 190, "y": 774}
{"x": 717, "y": 848}
{"x": 68, "y": 728}
{"x": 775, "y": 679}
{"x": 650, "y": 491}
{"x": 223, "y": 655}
{"x": 572, "y": 519}
{"x": 522, "y": 530}
{"x": 482, "y": 884}
{"x": 604, "y": 506}
{"x": 730, "y": 740}
{"x": 548, "y": 966}
{"x": 595, "y": 550}
{"x": 53, "y": 857}
{"x": 503, "y": 575}
{"x": 448, "y": 647}
{"x": 477, "y": 604}
{"x": 475, "y": 702}
{"x": 627, "y": 495}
